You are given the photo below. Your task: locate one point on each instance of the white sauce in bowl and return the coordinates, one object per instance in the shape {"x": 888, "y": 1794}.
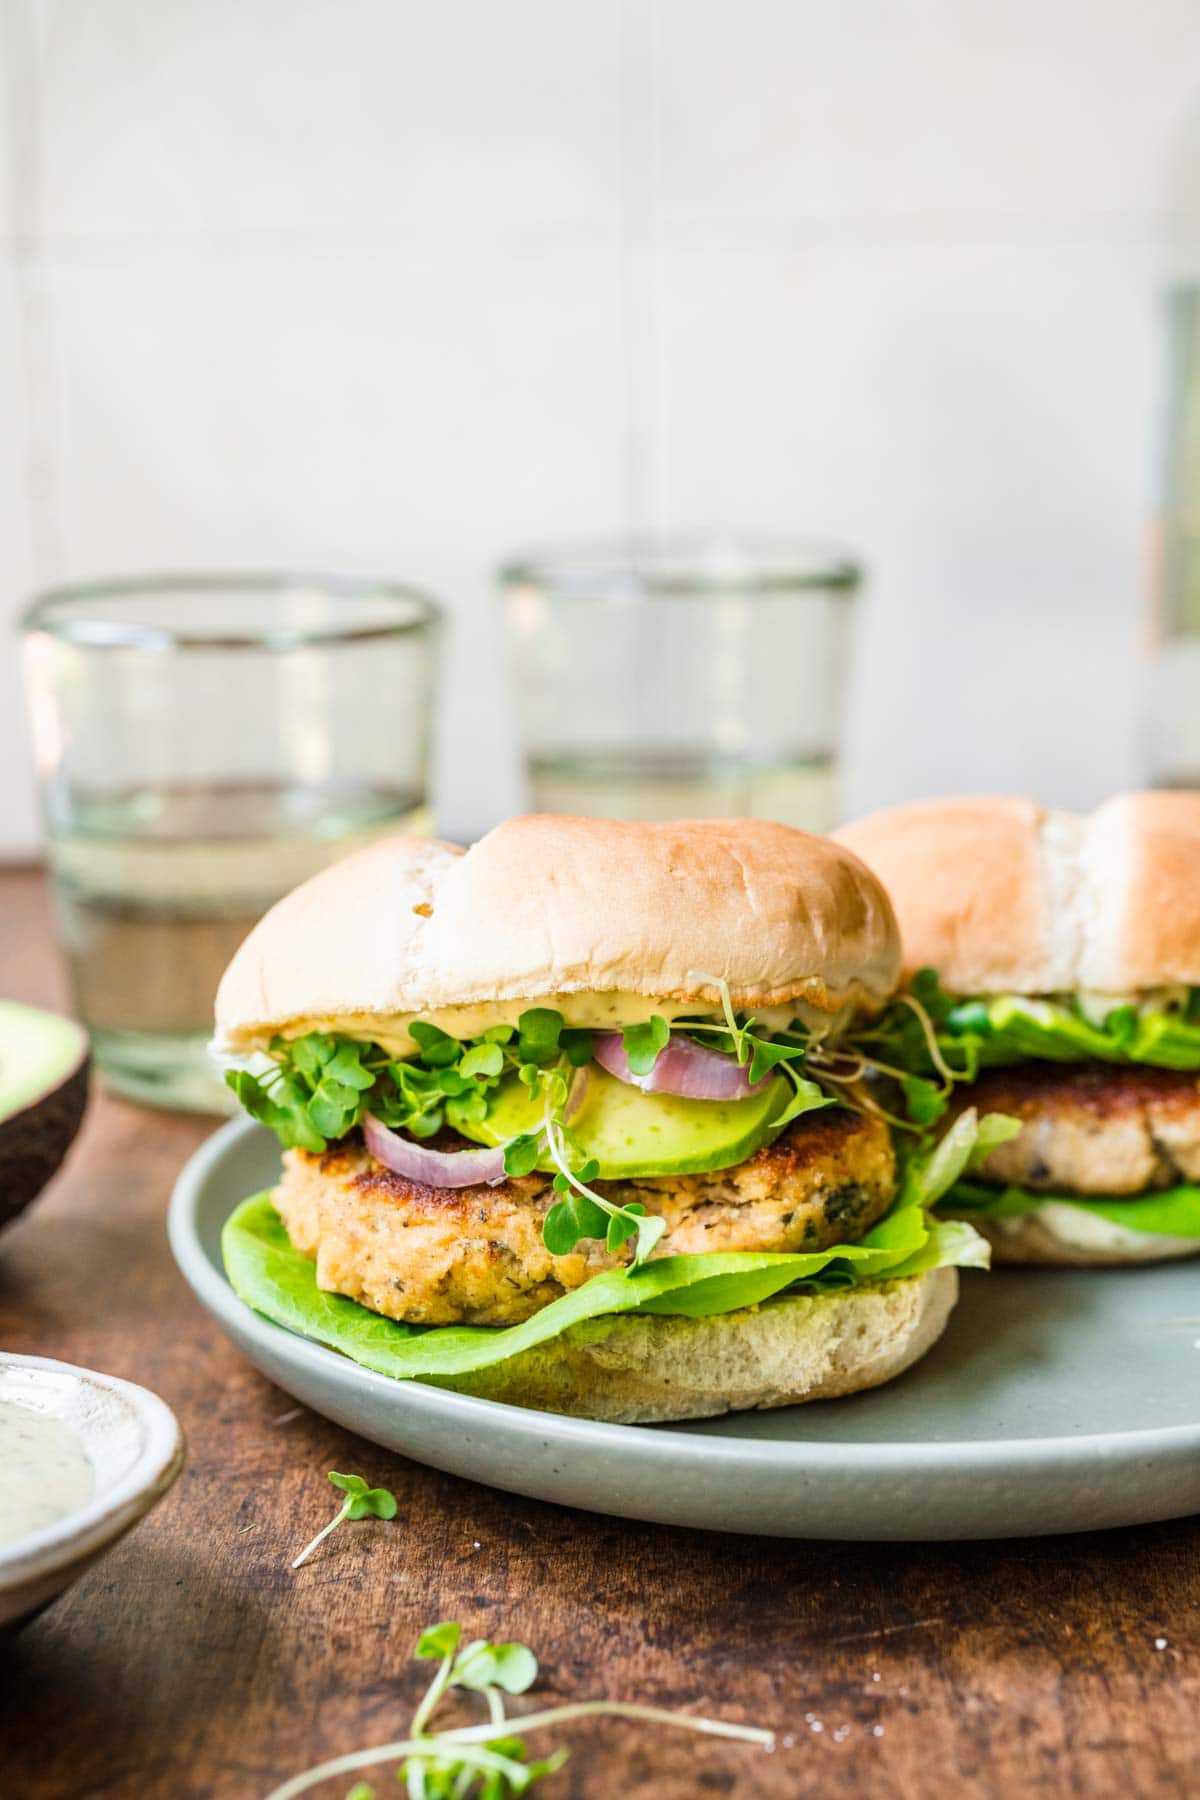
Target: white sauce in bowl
{"x": 44, "y": 1471}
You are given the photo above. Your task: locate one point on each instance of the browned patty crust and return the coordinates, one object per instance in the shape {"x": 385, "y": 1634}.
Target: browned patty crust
{"x": 441, "y": 1256}
{"x": 1091, "y": 1128}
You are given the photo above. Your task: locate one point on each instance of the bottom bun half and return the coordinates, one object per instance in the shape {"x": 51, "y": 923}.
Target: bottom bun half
{"x": 1034, "y": 1238}
{"x": 645, "y": 1370}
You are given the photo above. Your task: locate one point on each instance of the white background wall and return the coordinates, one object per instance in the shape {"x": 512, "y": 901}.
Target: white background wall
{"x": 396, "y": 287}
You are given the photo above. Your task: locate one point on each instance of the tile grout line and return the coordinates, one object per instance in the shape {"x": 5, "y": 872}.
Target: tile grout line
{"x": 24, "y": 29}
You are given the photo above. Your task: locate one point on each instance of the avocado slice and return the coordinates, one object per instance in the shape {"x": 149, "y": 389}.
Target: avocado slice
{"x": 631, "y": 1133}
{"x": 43, "y": 1091}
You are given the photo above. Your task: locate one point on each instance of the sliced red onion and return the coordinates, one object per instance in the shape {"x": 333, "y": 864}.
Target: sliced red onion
{"x": 434, "y": 1168}
{"x": 684, "y": 1067}
{"x": 581, "y": 1081}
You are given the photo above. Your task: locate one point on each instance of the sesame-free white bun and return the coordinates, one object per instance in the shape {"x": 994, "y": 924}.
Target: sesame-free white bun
{"x": 1001, "y": 895}
{"x": 597, "y": 916}
{"x": 1033, "y": 1238}
{"x": 644, "y": 1370}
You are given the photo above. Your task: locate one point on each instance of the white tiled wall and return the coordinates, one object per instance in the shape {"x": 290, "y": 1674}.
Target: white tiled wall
{"x": 396, "y": 287}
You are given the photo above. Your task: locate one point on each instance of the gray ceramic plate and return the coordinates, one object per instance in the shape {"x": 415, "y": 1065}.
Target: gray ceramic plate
{"x": 1057, "y": 1401}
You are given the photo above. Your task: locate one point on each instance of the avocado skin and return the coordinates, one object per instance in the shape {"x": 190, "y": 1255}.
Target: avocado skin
{"x": 34, "y": 1141}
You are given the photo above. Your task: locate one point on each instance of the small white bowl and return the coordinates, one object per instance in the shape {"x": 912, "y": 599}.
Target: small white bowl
{"x": 135, "y": 1446}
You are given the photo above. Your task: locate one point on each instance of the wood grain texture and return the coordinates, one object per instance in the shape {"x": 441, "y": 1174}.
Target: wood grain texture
{"x": 192, "y": 1662}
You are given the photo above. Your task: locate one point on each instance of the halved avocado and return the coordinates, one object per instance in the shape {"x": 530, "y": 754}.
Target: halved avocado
{"x": 43, "y": 1091}
{"x": 631, "y": 1133}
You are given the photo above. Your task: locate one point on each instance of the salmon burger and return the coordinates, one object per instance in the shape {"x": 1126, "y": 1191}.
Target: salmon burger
{"x": 1053, "y": 969}
{"x": 579, "y": 1118}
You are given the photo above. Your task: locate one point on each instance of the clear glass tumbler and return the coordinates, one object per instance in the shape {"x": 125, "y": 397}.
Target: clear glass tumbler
{"x": 1171, "y": 676}
{"x": 203, "y": 743}
{"x": 682, "y": 677}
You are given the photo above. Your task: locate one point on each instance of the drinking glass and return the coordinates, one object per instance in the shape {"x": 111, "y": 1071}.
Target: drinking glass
{"x": 203, "y": 743}
{"x": 1170, "y": 697}
{"x": 682, "y": 676}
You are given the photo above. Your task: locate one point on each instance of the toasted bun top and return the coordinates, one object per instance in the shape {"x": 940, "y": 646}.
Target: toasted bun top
{"x": 599, "y": 915}
{"x": 1000, "y": 895}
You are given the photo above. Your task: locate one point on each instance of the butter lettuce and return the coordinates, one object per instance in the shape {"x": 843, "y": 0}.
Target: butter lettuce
{"x": 1173, "y": 1213}
{"x": 1012, "y": 1028}
{"x": 278, "y": 1282}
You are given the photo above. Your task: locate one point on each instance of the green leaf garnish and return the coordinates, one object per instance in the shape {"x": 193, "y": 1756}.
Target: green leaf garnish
{"x": 521, "y": 1154}
{"x": 361, "y": 1502}
{"x": 281, "y": 1111}
{"x": 766, "y": 1054}
{"x": 438, "y": 1048}
{"x": 970, "y": 1140}
{"x": 924, "y": 1099}
{"x": 538, "y": 1031}
{"x": 489, "y": 1761}
{"x": 992, "y": 1130}
{"x": 364, "y": 1502}
{"x": 645, "y": 1043}
{"x": 484, "y": 1059}
{"x": 573, "y": 1217}
{"x": 578, "y": 1047}
{"x": 807, "y": 1096}
{"x": 437, "y": 1641}
{"x": 512, "y": 1667}
{"x": 316, "y": 1089}
{"x": 345, "y": 1064}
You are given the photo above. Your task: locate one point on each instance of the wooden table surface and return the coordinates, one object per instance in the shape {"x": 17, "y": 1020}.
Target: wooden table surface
{"x": 193, "y": 1662}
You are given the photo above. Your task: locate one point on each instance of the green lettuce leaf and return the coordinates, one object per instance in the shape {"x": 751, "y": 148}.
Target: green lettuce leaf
{"x": 932, "y": 1170}
{"x": 277, "y": 1281}
{"x": 1173, "y": 1213}
{"x": 1011, "y": 1028}
{"x": 1056, "y": 1031}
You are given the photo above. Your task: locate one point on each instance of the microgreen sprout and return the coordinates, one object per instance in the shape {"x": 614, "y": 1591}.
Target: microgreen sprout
{"x": 361, "y": 1502}
{"x": 928, "y": 1032}
{"x": 766, "y": 1055}
{"x": 644, "y": 1043}
{"x": 488, "y": 1761}
{"x": 315, "y": 1089}
{"x": 580, "y": 1212}
{"x": 738, "y": 1033}
{"x": 844, "y": 1070}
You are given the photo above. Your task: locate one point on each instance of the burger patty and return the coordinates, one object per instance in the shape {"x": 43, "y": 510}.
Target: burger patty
{"x": 1091, "y": 1128}
{"x": 442, "y": 1256}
